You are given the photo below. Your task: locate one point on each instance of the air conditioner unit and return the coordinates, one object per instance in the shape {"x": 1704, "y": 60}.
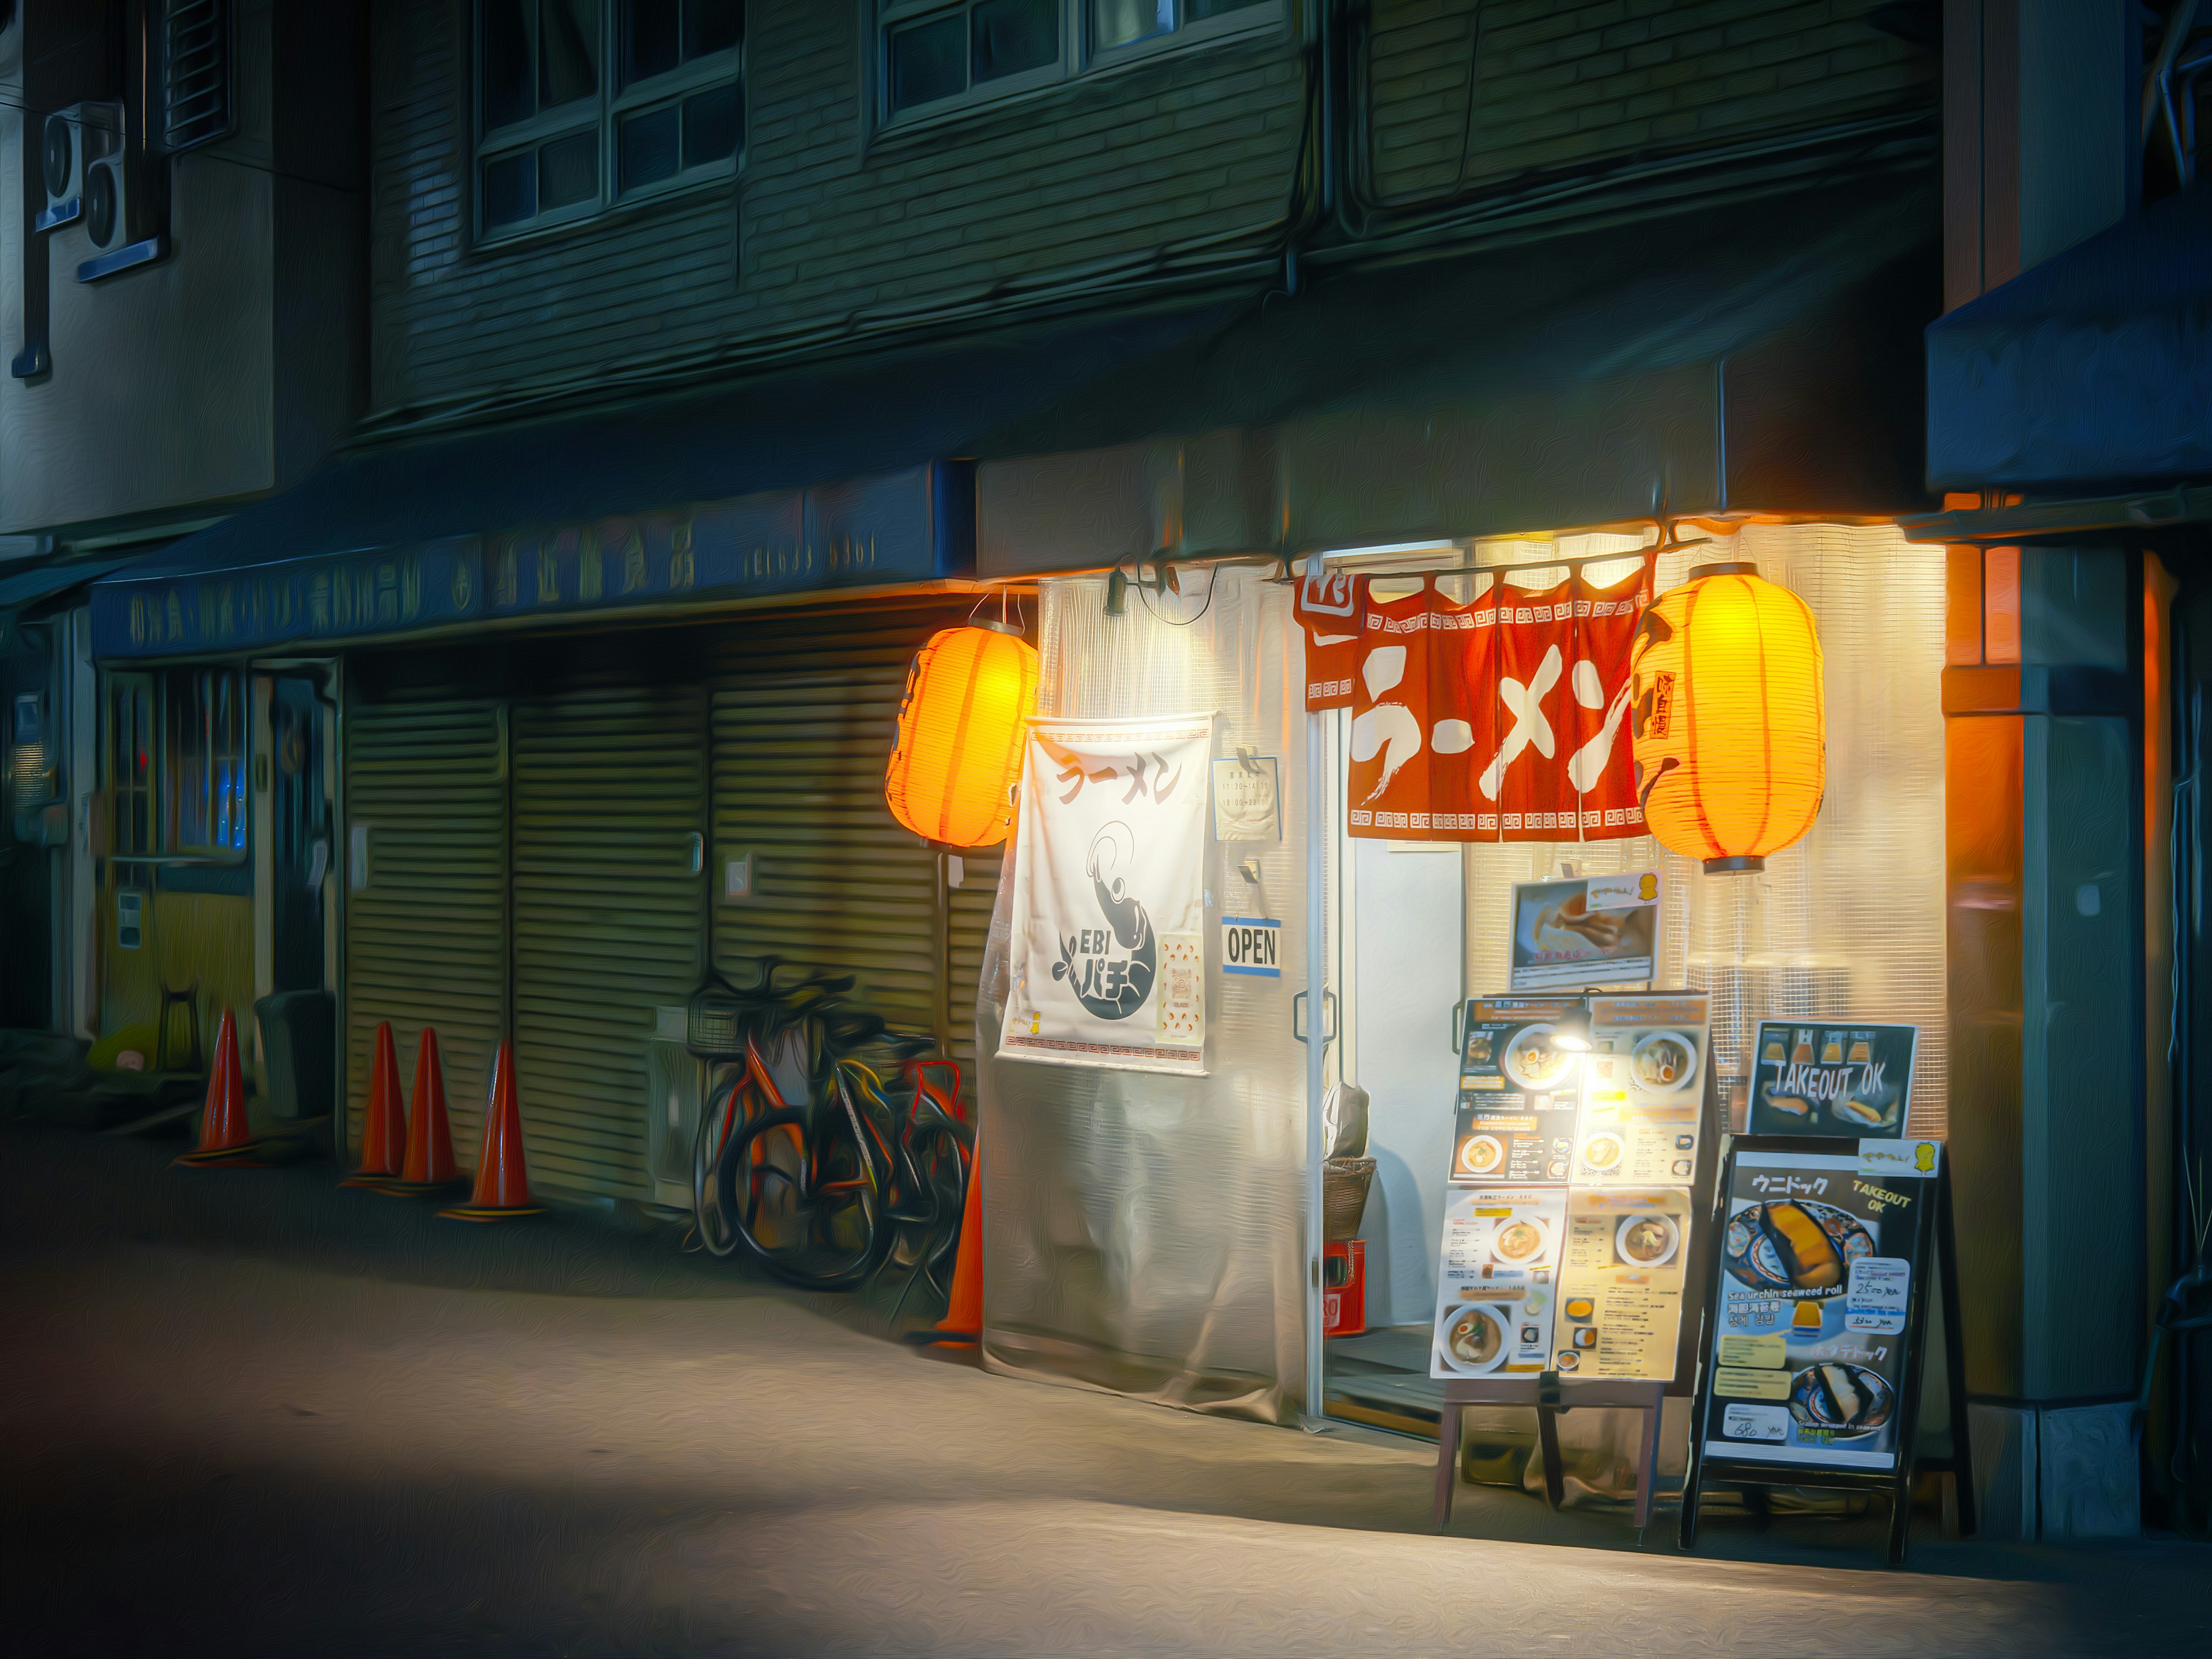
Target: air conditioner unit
{"x": 107, "y": 202}
{"x": 74, "y": 138}
{"x": 110, "y": 223}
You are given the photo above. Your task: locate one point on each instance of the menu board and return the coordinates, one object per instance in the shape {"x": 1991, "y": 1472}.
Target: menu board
{"x": 1817, "y": 1078}
{"x": 1588, "y": 930}
{"x": 1625, "y": 1262}
{"x": 1643, "y": 1091}
{"x": 1818, "y": 1259}
{"x": 1495, "y": 1284}
{"x": 1568, "y": 1232}
{"x": 1518, "y": 1100}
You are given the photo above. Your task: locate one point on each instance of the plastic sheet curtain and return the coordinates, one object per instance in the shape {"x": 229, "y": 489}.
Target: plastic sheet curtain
{"x": 1851, "y": 919}
{"x": 1145, "y": 1233}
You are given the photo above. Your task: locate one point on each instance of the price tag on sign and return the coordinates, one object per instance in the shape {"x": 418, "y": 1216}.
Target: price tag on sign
{"x": 1876, "y": 1294}
{"x": 1768, "y": 1423}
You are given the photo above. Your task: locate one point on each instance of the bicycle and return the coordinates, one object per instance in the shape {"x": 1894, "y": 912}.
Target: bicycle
{"x": 824, "y": 1193}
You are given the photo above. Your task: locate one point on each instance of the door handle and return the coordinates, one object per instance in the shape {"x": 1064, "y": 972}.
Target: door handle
{"x": 1459, "y": 1034}
{"x": 698, "y": 845}
{"x": 1328, "y": 1016}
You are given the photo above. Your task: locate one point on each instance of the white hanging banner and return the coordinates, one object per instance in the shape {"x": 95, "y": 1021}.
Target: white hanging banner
{"x": 1109, "y": 895}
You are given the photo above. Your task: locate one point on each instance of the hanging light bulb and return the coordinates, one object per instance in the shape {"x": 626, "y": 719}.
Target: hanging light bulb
{"x": 1729, "y": 728}
{"x": 953, "y": 770}
{"x": 1571, "y": 1034}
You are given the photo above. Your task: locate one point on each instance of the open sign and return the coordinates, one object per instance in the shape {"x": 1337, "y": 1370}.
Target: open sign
{"x": 1252, "y": 946}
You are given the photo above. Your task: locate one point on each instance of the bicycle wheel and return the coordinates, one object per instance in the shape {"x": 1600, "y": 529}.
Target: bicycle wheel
{"x": 804, "y": 1200}
{"x": 940, "y": 1155}
{"x": 709, "y": 1219}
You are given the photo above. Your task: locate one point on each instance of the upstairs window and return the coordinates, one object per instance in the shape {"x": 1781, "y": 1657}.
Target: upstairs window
{"x": 582, "y": 104}
{"x": 1124, "y": 22}
{"x": 195, "y": 46}
{"x": 935, "y": 55}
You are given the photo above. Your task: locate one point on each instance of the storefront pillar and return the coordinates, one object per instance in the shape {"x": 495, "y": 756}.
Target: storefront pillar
{"x": 2046, "y": 943}
{"x": 1317, "y": 1000}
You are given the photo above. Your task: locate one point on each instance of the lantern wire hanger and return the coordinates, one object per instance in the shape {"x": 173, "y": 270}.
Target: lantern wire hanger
{"x": 1164, "y": 579}
{"x": 1016, "y": 626}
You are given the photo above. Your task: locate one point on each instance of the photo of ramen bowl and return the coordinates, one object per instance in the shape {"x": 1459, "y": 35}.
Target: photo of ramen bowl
{"x": 1847, "y": 1400}
{"x": 1795, "y": 1246}
{"x": 1480, "y": 1154}
{"x": 1532, "y": 1062}
{"x": 1648, "y": 1241}
{"x": 1664, "y": 1061}
{"x": 1472, "y": 1339}
{"x": 1603, "y": 1151}
{"x": 1520, "y": 1242}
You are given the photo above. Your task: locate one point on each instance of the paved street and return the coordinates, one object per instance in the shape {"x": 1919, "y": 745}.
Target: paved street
{"x": 247, "y": 1413}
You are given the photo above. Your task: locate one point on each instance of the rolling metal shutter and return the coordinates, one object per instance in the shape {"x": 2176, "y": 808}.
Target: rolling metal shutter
{"x": 803, "y": 717}
{"x": 552, "y": 838}
{"x": 426, "y": 932}
{"x": 610, "y": 916}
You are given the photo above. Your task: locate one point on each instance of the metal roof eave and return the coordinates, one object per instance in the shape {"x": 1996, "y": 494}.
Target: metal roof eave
{"x": 2042, "y": 520}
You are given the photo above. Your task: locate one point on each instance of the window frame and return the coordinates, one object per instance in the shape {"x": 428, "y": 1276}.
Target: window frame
{"x": 603, "y": 114}
{"x": 215, "y": 699}
{"x": 1077, "y": 60}
{"x": 123, "y": 782}
{"x": 163, "y": 696}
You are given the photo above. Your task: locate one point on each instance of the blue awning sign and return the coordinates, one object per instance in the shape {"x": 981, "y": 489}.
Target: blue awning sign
{"x": 906, "y": 527}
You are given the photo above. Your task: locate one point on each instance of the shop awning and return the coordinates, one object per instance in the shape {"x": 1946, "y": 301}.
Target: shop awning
{"x": 2091, "y": 372}
{"x": 843, "y": 477}
{"x": 45, "y": 581}
{"x": 1765, "y": 358}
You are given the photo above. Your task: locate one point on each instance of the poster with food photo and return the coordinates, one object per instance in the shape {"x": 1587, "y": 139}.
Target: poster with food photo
{"x": 1818, "y": 1078}
{"x": 1817, "y": 1261}
{"x": 1587, "y": 930}
{"x": 1496, "y": 1282}
{"x": 1519, "y": 1098}
{"x": 1642, "y": 1096}
{"x": 1621, "y": 1276}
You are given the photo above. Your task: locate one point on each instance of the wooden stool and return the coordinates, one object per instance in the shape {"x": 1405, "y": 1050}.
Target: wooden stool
{"x": 190, "y": 997}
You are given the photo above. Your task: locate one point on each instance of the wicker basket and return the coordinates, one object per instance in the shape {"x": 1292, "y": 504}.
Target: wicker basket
{"x": 1344, "y": 1184}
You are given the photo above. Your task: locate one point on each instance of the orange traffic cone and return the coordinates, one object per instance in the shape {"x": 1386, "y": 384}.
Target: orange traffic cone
{"x": 502, "y": 1188}
{"x": 963, "y": 1312}
{"x": 384, "y": 1124}
{"x": 429, "y": 1165}
{"x": 225, "y": 1137}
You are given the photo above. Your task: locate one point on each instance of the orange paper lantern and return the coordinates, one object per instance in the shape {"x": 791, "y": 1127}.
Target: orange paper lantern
{"x": 1731, "y": 736}
{"x": 969, "y": 699}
